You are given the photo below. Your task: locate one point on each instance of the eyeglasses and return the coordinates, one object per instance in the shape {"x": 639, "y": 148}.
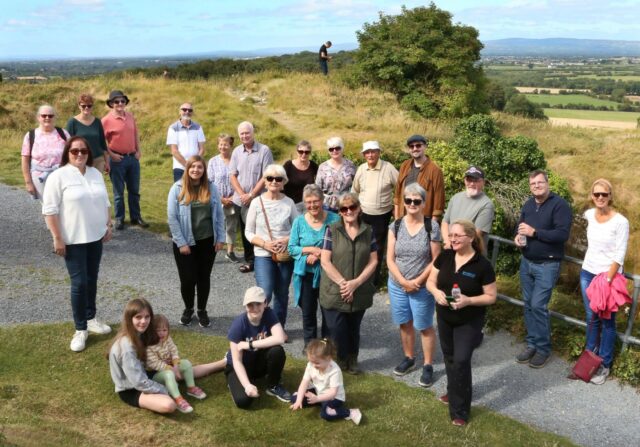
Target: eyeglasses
{"x": 119, "y": 101}
{"x": 270, "y": 179}
{"x": 537, "y": 183}
{"x": 416, "y": 202}
{"x": 301, "y": 152}
{"x": 187, "y": 110}
{"x": 456, "y": 236}
{"x": 415, "y": 145}
{"x": 85, "y": 106}
{"x": 597, "y": 195}
{"x": 77, "y": 151}
{"x": 44, "y": 116}
{"x": 334, "y": 149}
{"x": 352, "y": 208}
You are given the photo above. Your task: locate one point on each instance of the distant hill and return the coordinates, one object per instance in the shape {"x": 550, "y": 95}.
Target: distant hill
{"x": 561, "y": 47}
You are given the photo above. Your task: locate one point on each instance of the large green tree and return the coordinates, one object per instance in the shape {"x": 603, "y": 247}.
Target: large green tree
{"x": 428, "y": 62}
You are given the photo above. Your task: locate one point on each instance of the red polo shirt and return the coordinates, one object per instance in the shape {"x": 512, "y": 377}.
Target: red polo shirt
{"x": 121, "y": 132}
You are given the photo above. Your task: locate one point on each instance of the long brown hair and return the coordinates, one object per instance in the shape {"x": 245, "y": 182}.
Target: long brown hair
{"x": 191, "y": 192}
{"x": 139, "y": 341}
{"x": 470, "y": 230}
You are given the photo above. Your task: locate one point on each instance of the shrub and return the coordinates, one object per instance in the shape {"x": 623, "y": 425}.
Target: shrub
{"x": 521, "y": 106}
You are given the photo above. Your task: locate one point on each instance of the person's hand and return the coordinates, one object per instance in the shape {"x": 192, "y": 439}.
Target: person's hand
{"x": 115, "y": 157}
{"x": 446, "y": 244}
{"x": 185, "y": 250}
{"x": 348, "y": 287}
{"x": 246, "y": 199}
{"x": 516, "y": 240}
{"x": 347, "y": 298}
{"x": 526, "y": 229}
{"x": 440, "y": 297}
{"x": 218, "y": 246}
{"x": 297, "y": 405}
{"x": 311, "y": 398}
{"x": 59, "y": 246}
{"x": 226, "y": 201}
{"x": 108, "y": 235}
{"x": 410, "y": 286}
{"x": 312, "y": 259}
{"x": 244, "y": 346}
{"x": 138, "y": 154}
{"x": 177, "y": 373}
{"x": 462, "y": 302}
{"x": 107, "y": 167}
{"x": 31, "y": 189}
{"x": 251, "y": 390}
{"x": 269, "y": 246}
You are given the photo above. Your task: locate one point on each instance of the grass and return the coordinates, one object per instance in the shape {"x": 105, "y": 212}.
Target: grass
{"x": 627, "y": 117}
{"x": 569, "y": 99}
{"x": 50, "y": 396}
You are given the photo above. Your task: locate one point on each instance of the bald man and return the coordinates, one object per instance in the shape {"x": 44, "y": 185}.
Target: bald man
{"x": 186, "y": 139}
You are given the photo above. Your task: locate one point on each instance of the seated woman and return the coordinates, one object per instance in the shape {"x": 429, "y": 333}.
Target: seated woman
{"x": 255, "y": 350}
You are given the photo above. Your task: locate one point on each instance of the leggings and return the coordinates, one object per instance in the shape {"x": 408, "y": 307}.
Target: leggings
{"x": 194, "y": 271}
{"x": 168, "y": 378}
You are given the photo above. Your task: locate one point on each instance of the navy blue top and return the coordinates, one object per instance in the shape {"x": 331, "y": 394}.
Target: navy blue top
{"x": 552, "y": 222}
{"x": 242, "y": 330}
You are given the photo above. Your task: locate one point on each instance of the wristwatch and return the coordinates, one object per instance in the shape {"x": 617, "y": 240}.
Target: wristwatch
{"x": 251, "y": 348}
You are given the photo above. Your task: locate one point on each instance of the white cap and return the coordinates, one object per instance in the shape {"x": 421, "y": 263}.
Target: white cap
{"x": 370, "y": 146}
{"x": 254, "y": 294}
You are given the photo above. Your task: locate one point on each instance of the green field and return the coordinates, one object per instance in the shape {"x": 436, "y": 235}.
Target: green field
{"x": 628, "y": 117}
{"x": 570, "y": 99}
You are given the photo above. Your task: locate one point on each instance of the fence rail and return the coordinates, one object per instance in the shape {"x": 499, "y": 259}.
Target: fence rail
{"x": 626, "y": 337}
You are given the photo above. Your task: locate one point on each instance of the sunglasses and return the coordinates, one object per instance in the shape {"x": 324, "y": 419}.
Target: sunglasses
{"x": 119, "y": 101}
{"x": 415, "y": 145}
{"x": 44, "y": 115}
{"x": 274, "y": 179}
{"x": 597, "y": 195}
{"x": 352, "y": 208}
{"x": 416, "y": 202}
{"x": 187, "y": 110}
{"x": 334, "y": 149}
{"x": 301, "y": 152}
{"x": 77, "y": 151}
{"x": 85, "y": 106}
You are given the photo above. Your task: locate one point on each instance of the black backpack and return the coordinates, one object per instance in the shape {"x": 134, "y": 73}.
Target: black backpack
{"x": 32, "y": 137}
{"x": 427, "y": 227}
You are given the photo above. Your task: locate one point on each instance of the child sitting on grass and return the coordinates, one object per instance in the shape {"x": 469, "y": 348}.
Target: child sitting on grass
{"x": 325, "y": 376}
{"x": 163, "y": 357}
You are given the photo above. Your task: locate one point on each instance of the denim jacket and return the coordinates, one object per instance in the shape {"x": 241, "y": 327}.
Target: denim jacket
{"x": 179, "y": 216}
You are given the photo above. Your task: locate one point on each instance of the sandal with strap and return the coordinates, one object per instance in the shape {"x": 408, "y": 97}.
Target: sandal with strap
{"x": 246, "y": 268}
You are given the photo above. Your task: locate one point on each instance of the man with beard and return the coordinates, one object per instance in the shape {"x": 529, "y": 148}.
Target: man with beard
{"x": 471, "y": 204}
{"x": 186, "y": 139}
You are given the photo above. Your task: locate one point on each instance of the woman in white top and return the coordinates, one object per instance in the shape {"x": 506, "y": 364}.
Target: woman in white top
{"x": 270, "y": 235}
{"x": 76, "y": 209}
{"x": 607, "y": 237}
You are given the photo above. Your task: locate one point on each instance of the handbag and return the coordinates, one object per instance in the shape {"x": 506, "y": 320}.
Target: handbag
{"x": 588, "y": 362}
{"x": 284, "y": 256}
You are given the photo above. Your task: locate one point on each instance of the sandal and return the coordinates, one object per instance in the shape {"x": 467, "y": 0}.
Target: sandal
{"x": 246, "y": 268}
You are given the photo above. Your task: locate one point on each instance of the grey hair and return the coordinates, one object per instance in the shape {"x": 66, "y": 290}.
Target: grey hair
{"x": 46, "y": 106}
{"x": 277, "y": 171}
{"x": 312, "y": 190}
{"x": 415, "y": 189}
{"x": 245, "y": 124}
{"x": 335, "y": 142}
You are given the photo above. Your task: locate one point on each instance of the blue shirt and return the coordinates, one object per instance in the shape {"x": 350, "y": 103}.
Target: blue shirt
{"x": 242, "y": 330}
{"x": 552, "y": 222}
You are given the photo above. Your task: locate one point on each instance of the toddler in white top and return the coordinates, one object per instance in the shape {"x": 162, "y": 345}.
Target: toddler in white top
{"x": 322, "y": 384}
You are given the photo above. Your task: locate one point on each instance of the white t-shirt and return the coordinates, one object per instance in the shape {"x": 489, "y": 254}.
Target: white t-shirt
{"x": 186, "y": 138}
{"x": 80, "y": 201}
{"x": 330, "y": 378}
{"x": 607, "y": 242}
{"x": 281, "y": 214}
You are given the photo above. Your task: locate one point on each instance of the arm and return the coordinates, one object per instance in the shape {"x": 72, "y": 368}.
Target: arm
{"x": 218, "y": 217}
{"x": 330, "y": 269}
{"x": 177, "y": 155}
{"x": 109, "y": 234}
{"x": 432, "y": 287}
{"x": 438, "y": 194}
{"x": 154, "y": 362}
{"x": 620, "y": 250}
{"x": 135, "y": 373}
{"x": 435, "y": 252}
{"x": 51, "y": 202}
{"x": 328, "y": 395}
{"x": 394, "y": 271}
{"x": 355, "y": 185}
{"x": 561, "y": 226}
{"x": 276, "y": 338}
{"x": 53, "y": 223}
{"x": 241, "y": 372}
{"x": 138, "y": 148}
{"x": 302, "y": 389}
{"x": 25, "y": 164}
{"x": 201, "y": 148}
{"x": 444, "y": 226}
{"x": 347, "y": 288}
{"x": 173, "y": 218}
{"x": 295, "y": 249}
{"x": 488, "y": 297}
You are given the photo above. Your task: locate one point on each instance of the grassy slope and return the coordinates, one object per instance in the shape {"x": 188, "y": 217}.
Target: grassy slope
{"x": 50, "y": 396}
{"x": 569, "y": 99}
{"x": 627, "y": 117}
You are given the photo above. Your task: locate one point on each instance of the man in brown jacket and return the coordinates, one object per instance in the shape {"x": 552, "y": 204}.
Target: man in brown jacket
{"x": 420, "y": 168}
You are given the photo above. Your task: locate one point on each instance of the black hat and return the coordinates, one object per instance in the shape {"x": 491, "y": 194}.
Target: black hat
{"x": 116, "y": 94}
{"x": 416, "y": 139}
{"x": 474, "y": 172}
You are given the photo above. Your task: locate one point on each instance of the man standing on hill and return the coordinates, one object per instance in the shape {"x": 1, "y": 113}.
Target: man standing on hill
{"x": 248, "y": 162}
{"x": 123, "y": 144}
{"x": 324, "y": 57}
{"x": 374, "y": 182}
{"x": 420, "y": 168}
{"x": 471, "y": 204}
{"x": 545, "y": 222}
{"x": 186, "y": 139}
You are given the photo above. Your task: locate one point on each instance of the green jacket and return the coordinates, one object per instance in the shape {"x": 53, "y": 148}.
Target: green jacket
{"x": 350, "y": 258}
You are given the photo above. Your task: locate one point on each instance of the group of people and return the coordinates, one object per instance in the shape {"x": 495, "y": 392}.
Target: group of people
{"x": 325, "y": 227}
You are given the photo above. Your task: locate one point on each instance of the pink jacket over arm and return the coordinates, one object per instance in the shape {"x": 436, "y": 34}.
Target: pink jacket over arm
{"x": 605, "y": 298}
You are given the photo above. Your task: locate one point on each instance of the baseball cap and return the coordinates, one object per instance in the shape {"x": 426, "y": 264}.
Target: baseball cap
{"x": 474, "y": 172}
{"x": 254, "y": 294}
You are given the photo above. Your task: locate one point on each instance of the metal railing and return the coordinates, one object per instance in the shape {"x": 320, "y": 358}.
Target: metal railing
{"x": 626, "y": 338}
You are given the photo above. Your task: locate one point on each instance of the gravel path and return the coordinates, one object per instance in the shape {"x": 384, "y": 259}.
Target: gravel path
{"x": 34, "y": 288}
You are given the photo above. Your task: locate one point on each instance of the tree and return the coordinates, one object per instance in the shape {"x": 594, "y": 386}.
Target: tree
{"x": 520, "y": 105}
{"x": 421, "y": 53}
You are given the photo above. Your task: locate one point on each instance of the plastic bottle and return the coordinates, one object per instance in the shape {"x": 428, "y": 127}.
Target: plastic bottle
{"x": 455, "y": 291}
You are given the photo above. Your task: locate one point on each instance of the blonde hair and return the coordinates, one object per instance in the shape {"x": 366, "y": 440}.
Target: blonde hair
{"x": 191, "y": 192}
{"x": 470, "y": 230}
{"x": 324, "y": 348}
{"x": 159, "y": 321}
{"x": 605, "y": 184}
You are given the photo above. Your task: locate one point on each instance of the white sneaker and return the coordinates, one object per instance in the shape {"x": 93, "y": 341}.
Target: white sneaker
{"x": 98, "y": 328}
{"x": 355, "y": 416}
{"x": 600, "y": 377}
{"x": 79, "y": 340}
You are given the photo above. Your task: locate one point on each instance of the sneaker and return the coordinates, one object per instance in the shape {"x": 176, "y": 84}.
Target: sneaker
{"x": 426, "y": 379}
{"x": 183, "y": 405}
{"x": 280, "y": 392}
{"x": 196, "y": 392}
{"x": 406, "y": 366}
{"x": 186, "y": 317}
{"x": 539, "y": 360}
{"x": 97, "y": 327}
{"x": 79, "y": 341}
{"x": 600, "y": 377}
{"x": 444, "y": 399}
{"x": 526, "y": 355}
{"x": 459, "y": 422}
{"x": 231, "y": 256}
{"x": 355, "y": 416}
{"x": 203, "y": 318}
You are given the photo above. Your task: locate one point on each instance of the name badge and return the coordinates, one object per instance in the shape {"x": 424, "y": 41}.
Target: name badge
{"x": 469, "y": 274}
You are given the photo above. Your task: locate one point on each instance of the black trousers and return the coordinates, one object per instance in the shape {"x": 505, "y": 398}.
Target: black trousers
{"x": 246, "y": 244}
{"x": 194, "y": 271}
{"x": 309, "y": 304}
{"x": 458, "y": 342}
{"x": 268, "y": 362}
{"x": 380, "y": 227}
{"x": 344, "y": 330}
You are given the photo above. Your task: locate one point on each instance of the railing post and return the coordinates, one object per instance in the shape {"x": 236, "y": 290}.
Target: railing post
{"x": 494, "y": 252}
{"x": 632, "y": 312}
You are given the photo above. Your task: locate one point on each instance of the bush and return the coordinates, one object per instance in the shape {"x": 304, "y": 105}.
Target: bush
{"x": 521, "y": 106}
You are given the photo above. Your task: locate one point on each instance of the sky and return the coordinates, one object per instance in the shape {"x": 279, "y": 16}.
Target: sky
{"x": 122, "y": 28}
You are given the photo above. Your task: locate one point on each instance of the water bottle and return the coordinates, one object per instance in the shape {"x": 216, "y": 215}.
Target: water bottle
{"x": 455, "y": 292}
{"x": 522, "y": 240}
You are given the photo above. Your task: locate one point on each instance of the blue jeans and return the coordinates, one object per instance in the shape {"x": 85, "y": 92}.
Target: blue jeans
{"x": 274, "y": 278}
{"x": 83, "y": 263}
{"x": 126, "y": 172}
{"x": 608, "y": 335}
{"x": 334, "y": 404}
{"x": 177, "y": 174}
{"x": 309, "y": 300}
{"x": 537, "y": 281}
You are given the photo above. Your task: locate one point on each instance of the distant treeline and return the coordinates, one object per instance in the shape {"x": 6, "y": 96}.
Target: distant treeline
{"x": 305, "y": 61}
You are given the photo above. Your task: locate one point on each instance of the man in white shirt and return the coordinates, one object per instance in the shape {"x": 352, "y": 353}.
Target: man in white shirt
{"x": 186, "y": 139}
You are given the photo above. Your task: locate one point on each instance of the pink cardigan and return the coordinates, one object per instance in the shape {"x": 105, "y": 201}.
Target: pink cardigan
{"x": 605, "y": 298}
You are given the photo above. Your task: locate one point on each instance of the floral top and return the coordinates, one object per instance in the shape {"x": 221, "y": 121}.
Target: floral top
{"x": 335, "y": 182}
{"x": 218, "y": 173}
{"x": 46, "y": 152}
